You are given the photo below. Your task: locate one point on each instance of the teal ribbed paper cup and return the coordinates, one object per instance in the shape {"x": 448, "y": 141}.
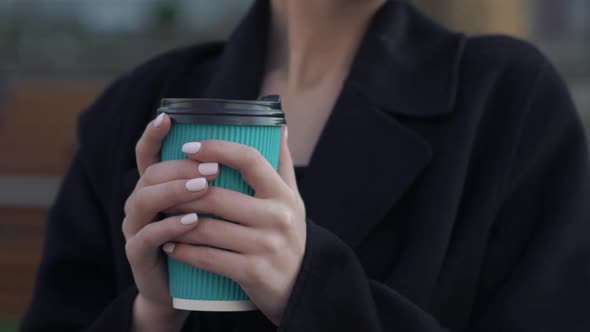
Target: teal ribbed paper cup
{"x": 256, "y": 123}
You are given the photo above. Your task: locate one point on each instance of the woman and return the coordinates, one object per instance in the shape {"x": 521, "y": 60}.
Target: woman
{"x": 444, "y": 186}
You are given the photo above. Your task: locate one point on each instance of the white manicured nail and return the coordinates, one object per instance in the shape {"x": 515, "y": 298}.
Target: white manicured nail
{"x": 168, "y": 247}
{"x": 207, "y": 169}
{"x": 189, "y": 219}
{"x": 191, "y": 148}
{"x": 197, "y": 184}
{"x": 158, "y": 121}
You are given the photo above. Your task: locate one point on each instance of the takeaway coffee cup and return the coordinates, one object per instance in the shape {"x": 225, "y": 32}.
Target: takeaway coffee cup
{"x": 256, "y": 123}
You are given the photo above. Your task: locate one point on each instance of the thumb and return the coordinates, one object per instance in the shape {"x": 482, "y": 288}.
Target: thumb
{"x": 286, "y": 169}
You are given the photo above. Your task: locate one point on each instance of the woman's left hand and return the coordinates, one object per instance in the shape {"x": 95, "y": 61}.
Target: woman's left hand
{"x": 262, "y": 248}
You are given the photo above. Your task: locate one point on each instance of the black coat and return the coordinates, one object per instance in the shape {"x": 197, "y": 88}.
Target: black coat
{"x": 474, "y": 213}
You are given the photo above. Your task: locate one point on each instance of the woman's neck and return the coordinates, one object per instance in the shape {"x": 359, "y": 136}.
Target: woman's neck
{"x": 314, "y": 40}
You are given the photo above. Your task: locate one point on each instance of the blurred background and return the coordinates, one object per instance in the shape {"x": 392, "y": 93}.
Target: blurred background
{"x": 56, "y": 55}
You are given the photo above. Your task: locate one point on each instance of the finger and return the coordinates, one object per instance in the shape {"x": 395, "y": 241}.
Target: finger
{"x": 144, "y": 204}
{"x": 143, "y": 248}
{"x": 286, "y": 170}
{"x": 226, "y": 263}
{"x": 234, "y": 206}
{"x": 223, "y": 235}
{"x": 147, "y": 150}
{"x": 170, "y": 170}
{"x": 251, "y": 164}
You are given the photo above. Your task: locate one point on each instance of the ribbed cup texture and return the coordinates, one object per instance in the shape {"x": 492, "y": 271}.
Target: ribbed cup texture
{"x": 186, "y": 281}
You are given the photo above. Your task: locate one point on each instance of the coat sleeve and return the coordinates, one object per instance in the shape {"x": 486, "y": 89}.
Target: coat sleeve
{"x": 75, "y": 285}
{"x": 78, "y": 287}
{"x": 546, "y": 205}
{"x": 546, "y": 215}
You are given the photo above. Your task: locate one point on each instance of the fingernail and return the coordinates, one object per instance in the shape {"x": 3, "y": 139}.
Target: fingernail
{"x": 197, "y": 184}
{"x": 158, "y": 121}
{"x": 168, "y": 247}
{"x": 189, "y": 219}
{"x": 191, "y": 148}
{"x": 207, "y": 169}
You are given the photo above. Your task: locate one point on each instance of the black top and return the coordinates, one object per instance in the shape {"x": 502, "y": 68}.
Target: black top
{"x": 448, "y": 191}
{"x": 299, "y": 173}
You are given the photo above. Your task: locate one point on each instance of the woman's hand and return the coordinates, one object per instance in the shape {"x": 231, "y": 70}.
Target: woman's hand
{"x": 162, "y": 186}
{"x": 263, "y": 249}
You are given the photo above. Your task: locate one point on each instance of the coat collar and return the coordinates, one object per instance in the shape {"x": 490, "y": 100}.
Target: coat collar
{"x": 406, "y": 64}
{"x": 241, "y": 67}
{"x": 366, "y": 158}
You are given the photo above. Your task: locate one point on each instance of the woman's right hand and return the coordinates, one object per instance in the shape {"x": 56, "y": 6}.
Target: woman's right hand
{"x": 162, "y": 185}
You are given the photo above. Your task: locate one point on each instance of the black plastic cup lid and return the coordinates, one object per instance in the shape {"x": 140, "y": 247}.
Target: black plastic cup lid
{"x": 266, "y": 111}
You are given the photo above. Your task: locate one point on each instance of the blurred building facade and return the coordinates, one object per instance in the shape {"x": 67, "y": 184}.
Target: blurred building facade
{"x": 55, "y": 56}
{"x": 104, "y": 37}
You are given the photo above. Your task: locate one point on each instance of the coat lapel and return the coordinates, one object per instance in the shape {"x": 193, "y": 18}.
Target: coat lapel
{"x": 363, "y": 163}
{"x": 367, "y": 157}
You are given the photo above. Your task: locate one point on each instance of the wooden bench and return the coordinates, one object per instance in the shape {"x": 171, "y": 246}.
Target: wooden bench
{"x": 38, "y": 131}
{"x": 37, "y": 139}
